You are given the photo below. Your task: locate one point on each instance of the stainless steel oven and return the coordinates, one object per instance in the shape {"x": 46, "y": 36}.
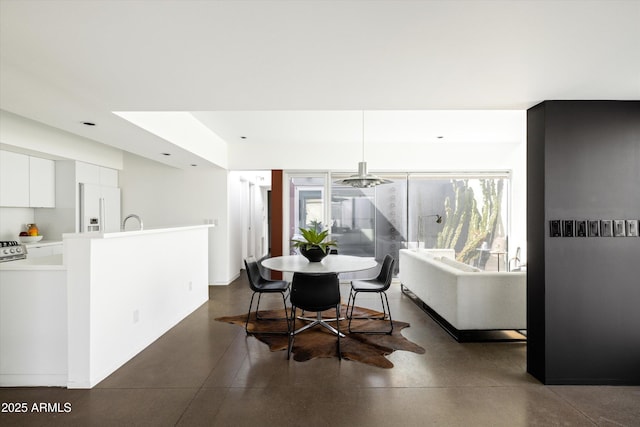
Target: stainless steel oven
{"x": 10, "y": 250}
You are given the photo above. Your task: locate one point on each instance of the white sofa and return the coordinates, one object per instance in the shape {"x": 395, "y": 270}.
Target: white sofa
{"x": 467, "y": 299}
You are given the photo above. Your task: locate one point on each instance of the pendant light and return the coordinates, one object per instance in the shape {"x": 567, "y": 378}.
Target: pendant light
{"x": 362, "y": 179}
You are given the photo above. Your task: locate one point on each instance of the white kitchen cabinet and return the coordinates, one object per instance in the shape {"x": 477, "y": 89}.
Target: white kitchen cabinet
{"x": 39, "y": 251}
{"x": 35, "y": 250}
{"x": 42, "y": 183}
{"x": 26, "y": 181}
{"x": 33, "y": 326}
{"x": 86, "y": 172}
{"x": 94, "y": 174}
{"x": 14, "y": 179}
{"x": 108, "y": 177}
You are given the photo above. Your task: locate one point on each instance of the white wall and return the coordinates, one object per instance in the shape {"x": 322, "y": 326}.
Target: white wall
{"x": 164, "y": 196}
{"x": 260, "y": 224}
{"x": 13, "y": 220}
{"x": 234, "y": 224}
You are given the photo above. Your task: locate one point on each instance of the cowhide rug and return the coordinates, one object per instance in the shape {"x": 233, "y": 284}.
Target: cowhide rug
{"x": 319, "y": 342}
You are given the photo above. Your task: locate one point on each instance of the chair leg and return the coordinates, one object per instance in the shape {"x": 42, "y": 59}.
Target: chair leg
{"x": 338, "y": 329}
{"x": 386, "y": 311}
{"x": 389, "y": 313}
{"x": 353, "y": 304}
{"x": 258, "y": 307}
{"x": 286, "y": 316}
{"x": 246, "y": 323}
{"x": 291, "y": 332}
{"x": 349, "y": 303}
{"x": 258, "y": 317}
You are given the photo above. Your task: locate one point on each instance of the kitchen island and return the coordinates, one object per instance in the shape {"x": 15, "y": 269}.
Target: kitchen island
{"x": 107, "y": 298}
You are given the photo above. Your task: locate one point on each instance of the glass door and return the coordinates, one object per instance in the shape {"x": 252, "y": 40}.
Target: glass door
{"x": 307, "y": 195}
{"x": 353, "y": 215}
{"x": 370, "y": 222}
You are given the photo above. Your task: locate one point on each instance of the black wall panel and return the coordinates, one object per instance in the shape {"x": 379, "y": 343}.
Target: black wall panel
{"x": 583, "y": 292}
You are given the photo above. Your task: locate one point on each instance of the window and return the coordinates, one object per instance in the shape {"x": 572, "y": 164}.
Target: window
{"x": 474, "y": 216}
{"x": 373, "y": 222}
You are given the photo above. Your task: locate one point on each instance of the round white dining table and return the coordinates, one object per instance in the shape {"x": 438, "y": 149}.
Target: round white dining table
{"x": 330, "y": 264}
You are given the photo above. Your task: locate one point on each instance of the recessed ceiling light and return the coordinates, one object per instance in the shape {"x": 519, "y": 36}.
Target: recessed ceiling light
{"x": 166, "y": 154}
{"x": 88, "y": 123}
{"x": 193, "y": 164}
{"x": 243, "y": 137}
{"x": 440, "y": 137}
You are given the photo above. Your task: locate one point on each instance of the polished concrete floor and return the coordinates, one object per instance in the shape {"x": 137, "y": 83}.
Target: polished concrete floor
{"x": 208, "y": 373}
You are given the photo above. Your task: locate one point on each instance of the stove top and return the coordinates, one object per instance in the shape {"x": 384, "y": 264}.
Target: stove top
{"x": 10, "y": 250}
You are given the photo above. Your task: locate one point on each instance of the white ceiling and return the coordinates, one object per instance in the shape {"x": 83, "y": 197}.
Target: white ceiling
{"x": 301, "y": 71}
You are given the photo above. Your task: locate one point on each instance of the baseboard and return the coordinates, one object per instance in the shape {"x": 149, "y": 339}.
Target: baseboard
{"x": 225, "y": 283}
{"x": 465, "y": 335}
{"x": 33, "y": 380}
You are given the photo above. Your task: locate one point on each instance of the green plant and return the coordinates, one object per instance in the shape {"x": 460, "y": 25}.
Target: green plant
{"x": 314, "y": 237}
{"x": 466, "y": 227}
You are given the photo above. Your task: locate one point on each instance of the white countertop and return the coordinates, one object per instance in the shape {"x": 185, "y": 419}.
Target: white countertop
{"x": 52, "y": 262}
{"x": 118, "y": 234}
{"x": 55, "y": 262}
{"x": 42, "y": 243}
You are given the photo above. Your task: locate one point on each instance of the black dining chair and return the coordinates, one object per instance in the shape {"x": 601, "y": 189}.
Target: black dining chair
{"x": 378, "y": 285}
{"x": 259, "y": 285}
{"x": 315, "y": 293}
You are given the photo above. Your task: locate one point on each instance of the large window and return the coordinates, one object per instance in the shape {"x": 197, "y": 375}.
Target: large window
{"x": 467, "y": 213}
{"x": 474, "y": 216}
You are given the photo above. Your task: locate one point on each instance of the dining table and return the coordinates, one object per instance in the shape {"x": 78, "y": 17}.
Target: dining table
{"x": 331, "y": 264}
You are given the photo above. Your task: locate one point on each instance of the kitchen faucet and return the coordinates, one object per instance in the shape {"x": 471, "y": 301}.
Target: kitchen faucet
{"x": 124, "y": 221}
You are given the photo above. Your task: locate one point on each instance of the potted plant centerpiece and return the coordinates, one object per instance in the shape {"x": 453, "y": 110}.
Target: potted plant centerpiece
{"x": 313, "y": 245}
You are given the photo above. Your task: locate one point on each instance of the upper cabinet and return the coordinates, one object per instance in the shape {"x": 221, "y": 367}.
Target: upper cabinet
{"x": 14, "y": 179}
{"x": 42, "y": 183}
{"x": 26, "y": 181}
{"x": 93, "y": 174}
{"x": 30, "y": 182}
{"x": 108, "y": 177}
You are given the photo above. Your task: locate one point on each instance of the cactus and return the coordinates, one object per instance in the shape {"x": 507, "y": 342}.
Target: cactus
{"x": 465, "y": 227}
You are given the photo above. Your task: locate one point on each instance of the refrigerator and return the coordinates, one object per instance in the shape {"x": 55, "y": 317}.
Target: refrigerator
{"x": 99, "y": 208}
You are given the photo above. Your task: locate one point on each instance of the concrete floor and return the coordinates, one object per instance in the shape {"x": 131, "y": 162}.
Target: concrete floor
{"x": 204, "y": 372}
